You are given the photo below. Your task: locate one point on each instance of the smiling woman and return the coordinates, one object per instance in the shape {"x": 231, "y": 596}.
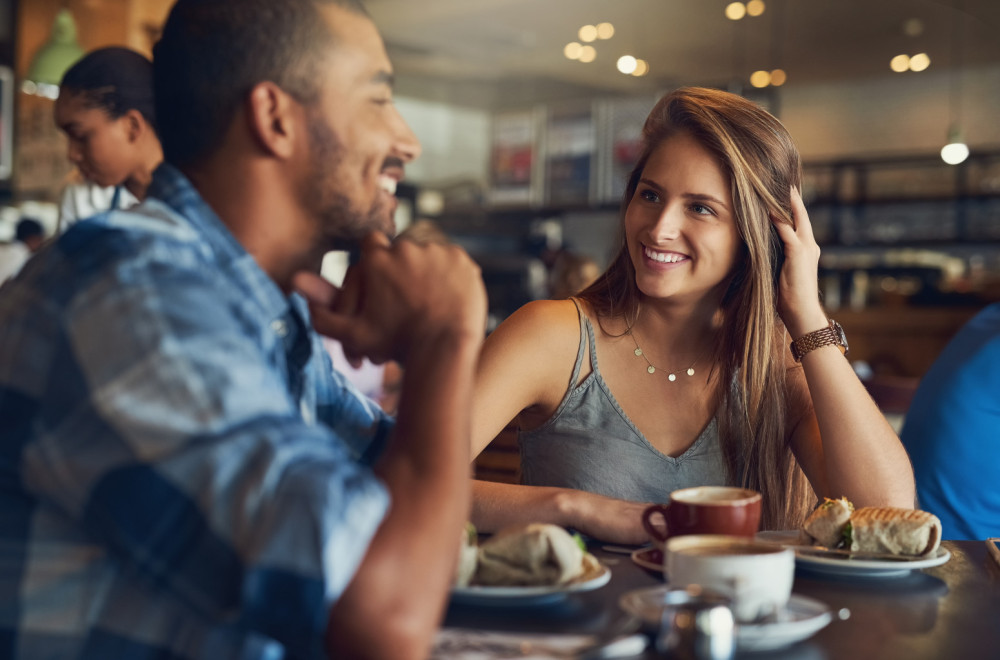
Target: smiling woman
{"x": 716, "y": 274}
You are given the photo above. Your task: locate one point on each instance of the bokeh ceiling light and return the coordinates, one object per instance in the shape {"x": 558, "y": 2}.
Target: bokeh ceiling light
{"x": 755, "y": 7}
{"x": 735, "y": 11}
{"x": 920, "y": 62}
{"x": 572, "y": 50}
{"x": 605, "y": 30}
{"x": 588, "y": 54}
{"x": 588, "y": 33}
{"x": 900, "y": 63}
{"x": 641, "y": 68}
{"x": 627, "y": 64}
{"x": 778, "y": 77}
{"x": 913, "y": 27}
{"x": 760, "y": 79}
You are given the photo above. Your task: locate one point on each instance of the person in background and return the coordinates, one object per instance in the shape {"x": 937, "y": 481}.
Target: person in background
{"x": 105, "y": 108}
{"x": 571, "y": 273}
{"x": 691, "y": 326}
{"x": 185, "y": 476}
{"x": 952, "y": 432}
{"x": 28, "y": 237}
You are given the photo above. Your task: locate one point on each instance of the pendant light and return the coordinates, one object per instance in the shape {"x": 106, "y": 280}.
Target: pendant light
{"x": 58, "y": 54}
{"x": 956, "y": 150}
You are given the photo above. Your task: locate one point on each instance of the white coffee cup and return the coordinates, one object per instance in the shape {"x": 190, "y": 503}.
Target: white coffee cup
{"x": 756, "y": 576}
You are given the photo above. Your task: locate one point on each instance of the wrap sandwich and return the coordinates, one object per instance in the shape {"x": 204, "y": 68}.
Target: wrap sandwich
{"x": 836, "y": 524}
{"x": 535, "y": 554}
{"x": 897, "y": 531}
{"x": 826, "y": 524}
{"x": 468, "y": 556}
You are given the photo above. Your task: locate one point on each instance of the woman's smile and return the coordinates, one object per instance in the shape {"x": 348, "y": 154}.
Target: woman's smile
{"x": 661, "y": 259}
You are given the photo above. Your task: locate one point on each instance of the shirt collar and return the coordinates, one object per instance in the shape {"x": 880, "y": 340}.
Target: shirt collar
{"x": 173, "y": 188}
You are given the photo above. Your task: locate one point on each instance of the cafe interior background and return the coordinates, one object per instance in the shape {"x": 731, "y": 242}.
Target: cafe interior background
{"x": 529, "y": 113}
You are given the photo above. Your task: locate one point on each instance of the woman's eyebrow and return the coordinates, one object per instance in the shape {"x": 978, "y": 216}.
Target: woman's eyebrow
{"x": 702, "y": 197}
{"x": 699, "y": 197}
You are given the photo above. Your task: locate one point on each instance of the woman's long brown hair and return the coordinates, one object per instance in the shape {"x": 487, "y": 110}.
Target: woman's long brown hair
{"x": 763, "y": 165}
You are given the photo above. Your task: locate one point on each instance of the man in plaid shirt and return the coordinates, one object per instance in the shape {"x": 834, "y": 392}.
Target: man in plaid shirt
{"x": 182, "y": 475}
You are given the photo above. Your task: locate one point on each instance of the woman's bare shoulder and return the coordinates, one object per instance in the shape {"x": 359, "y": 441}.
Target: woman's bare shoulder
{"x": 539, "y": 339}
{"x": 544, "y": 320}
{"x": 525, "y": 364}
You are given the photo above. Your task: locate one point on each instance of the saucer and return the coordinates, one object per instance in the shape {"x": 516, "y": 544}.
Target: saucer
{"x": 649, "y": 558}
{"x": 800, "y": 619}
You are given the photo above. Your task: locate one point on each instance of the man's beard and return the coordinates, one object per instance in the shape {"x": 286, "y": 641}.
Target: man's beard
{"x": 341, "y": 224}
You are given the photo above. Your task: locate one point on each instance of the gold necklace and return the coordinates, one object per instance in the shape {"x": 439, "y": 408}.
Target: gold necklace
{"x": 650, "y": 368}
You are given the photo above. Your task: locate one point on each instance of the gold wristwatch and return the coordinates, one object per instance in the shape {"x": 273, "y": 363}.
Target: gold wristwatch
{"x": 832, "y": 334}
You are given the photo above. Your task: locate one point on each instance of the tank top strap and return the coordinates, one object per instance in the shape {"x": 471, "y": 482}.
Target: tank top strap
{"x": 586, "y": 335}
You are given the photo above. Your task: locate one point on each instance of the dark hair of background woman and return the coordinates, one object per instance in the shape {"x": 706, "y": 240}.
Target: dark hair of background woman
{"x": 114, "y": 79}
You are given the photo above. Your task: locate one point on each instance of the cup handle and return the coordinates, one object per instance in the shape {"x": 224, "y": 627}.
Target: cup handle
{"x": 647, "y": 522}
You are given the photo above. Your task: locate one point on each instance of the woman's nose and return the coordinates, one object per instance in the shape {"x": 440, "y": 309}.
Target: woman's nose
{"x": 669, "y": 222}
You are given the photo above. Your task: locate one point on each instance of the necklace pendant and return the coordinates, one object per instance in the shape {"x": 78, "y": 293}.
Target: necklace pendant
{"x": 690, "y": 371}
{"x": 651, "y": 369}
{"x": 672, "y": 377}
{"x": 638, "y": 351}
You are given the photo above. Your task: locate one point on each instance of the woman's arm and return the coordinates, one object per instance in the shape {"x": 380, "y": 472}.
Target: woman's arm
{"x": 496, "y": 505}
{"x": 526, "y": 365}
{"x": 842, "y": 440}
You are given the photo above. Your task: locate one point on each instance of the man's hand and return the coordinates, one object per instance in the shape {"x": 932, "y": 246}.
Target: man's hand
{"x": 424, "y": 306}
{"x": 398, "y": 296}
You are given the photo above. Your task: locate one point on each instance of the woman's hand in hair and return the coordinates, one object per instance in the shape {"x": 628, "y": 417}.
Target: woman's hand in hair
{"x": 798, "y": 287}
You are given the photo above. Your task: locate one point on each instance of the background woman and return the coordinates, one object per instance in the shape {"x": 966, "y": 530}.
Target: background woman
{"x": 105, "y": 108}
{"x": 674, "y": 369}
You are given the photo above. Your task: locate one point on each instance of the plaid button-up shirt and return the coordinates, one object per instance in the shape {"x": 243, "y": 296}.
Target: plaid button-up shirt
{"x": 182, "y": 475}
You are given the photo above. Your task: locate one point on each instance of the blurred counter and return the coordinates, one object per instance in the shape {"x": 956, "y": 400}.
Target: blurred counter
{"x": 901, "y": 340}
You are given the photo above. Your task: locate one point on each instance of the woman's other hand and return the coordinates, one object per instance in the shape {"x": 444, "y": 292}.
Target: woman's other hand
{"x": 798, "y": 286}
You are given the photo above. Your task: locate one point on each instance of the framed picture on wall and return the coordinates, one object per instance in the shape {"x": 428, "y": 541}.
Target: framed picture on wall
{"x": 6, "y": 122}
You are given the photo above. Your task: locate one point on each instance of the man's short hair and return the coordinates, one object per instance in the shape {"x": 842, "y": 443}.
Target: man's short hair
{"x": 213, "y": 52}
{"x": 28, "y": 228}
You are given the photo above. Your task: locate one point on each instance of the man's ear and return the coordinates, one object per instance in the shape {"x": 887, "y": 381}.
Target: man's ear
{"x": 272, "y": 116}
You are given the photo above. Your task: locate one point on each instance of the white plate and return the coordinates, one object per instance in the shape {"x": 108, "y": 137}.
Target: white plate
{"x": 799, "y": 620}
{"x": 517, "y": 596}
{"x": 842, "y": 566}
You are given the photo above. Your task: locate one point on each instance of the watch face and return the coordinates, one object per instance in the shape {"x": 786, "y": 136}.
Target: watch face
{"x": 841, "y": 336}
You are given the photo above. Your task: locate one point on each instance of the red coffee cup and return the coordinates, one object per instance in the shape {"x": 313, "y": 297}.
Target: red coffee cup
{"x": 705, "y": 510}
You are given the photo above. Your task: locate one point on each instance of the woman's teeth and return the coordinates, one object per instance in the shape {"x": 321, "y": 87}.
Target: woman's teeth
{"x": 663, "y": 257}
{"x": 388, "y": 184}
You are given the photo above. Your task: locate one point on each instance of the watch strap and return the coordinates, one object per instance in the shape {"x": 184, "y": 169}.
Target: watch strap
{"x": 833, "y": 334}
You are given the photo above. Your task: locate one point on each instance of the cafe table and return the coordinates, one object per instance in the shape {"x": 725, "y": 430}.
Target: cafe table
{"x": 946, "y": 612}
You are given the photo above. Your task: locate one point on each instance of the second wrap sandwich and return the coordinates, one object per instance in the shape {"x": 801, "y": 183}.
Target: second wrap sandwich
{"x": 835, "y": 524}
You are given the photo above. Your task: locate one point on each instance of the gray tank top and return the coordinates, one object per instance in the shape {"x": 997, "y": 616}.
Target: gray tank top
{"x": 591, "y": 444}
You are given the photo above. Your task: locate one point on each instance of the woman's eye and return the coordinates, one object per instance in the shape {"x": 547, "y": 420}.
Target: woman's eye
{"x": 648, "y": 195}
{"x": 701, "y": 209}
